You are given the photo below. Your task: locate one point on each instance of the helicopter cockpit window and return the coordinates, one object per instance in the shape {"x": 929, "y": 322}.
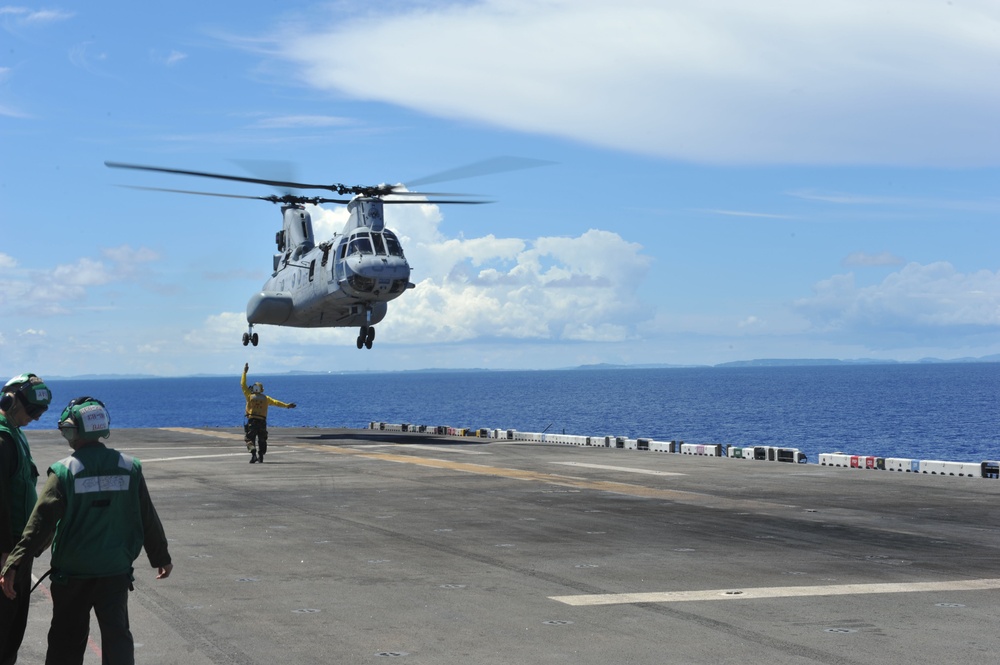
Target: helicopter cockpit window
{"x": 395, "y": 249}
{"x": 379, "y": 245}
{"x": 360, "y": 244}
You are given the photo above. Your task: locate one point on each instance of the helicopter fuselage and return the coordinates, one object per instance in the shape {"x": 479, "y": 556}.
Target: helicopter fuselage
{"x": 346, "y": 281}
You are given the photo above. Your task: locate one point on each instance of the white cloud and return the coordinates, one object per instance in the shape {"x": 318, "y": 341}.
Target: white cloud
{"x": 327, "y": 221}
{"x": 168, "y": 58}
{"x": 744, "y": 213}
{"x": 47, "y": 291}
{"x": 857, "y": 81}
{"x": 751, "y": 322}
{"x": 128, "y": 258}
{"x": 82, "y": 56}
{"x": 547, "y": 288}
{"x": 918, "y": 297}
{"x": 990, "y": 204}
{"x": 26, "y": 15}
{"x": 870, "y": 260}
{"x": 300, "y": 121}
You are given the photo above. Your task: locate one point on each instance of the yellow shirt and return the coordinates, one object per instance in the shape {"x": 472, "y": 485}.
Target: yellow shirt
{"x": 257, "y": 403}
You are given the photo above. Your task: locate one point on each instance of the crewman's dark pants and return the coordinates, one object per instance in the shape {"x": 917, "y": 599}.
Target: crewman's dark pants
{"x": 256, "y": 430}
{"x": 71, "y": 605}
{"x": 14, "y": 614}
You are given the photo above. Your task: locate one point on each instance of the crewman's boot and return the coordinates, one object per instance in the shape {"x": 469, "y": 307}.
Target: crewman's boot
{"x": 260, "y": 458}
{"x": 253, "y": 456}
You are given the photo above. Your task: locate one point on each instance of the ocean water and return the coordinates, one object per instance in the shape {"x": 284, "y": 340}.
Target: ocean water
{"x": 932, "y": 411}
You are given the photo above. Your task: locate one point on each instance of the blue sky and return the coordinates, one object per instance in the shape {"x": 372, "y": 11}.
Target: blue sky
{"x": 728, "y": 181}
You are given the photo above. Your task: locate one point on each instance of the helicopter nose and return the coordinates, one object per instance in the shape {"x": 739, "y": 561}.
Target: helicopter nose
{"x": 379, "y": 278}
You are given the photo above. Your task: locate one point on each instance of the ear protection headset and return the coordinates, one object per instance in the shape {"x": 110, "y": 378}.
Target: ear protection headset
{"x": 257, "y": 388}
{"x": 20, "y": 387}
{"x": 85, "y": 418}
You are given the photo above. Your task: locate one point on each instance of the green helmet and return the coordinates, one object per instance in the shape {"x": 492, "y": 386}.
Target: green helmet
{"x": 30, "y": 390}
{"x": 85, "y": 418}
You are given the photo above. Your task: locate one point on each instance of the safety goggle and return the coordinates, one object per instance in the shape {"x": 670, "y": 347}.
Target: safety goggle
{"x": 34, "y": 411}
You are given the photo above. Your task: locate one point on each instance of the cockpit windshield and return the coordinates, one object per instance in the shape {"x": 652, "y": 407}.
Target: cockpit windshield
{"x": 395, "y": 249}
{"x": 360, "y": 244}
{"x": 364, "y": 242}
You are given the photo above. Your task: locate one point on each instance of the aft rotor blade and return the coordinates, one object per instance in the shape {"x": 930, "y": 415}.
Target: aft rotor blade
{"x": 188, "y": 191}
{"x": 405, "y": 193}
{"x": 220, "y": 176}
{"x": 485, "y": 167}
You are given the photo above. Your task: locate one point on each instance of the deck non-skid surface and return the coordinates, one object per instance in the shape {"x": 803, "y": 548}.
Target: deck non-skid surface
{"x": 351, "y": 546}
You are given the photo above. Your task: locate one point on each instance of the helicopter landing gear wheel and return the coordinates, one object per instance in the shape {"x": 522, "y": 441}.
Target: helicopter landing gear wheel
{"x": 250, "y": 337}
{"x": 366, "y": 337}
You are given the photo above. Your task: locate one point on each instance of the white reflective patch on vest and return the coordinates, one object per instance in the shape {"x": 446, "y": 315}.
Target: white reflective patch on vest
{"x": 125, "y": 462}
{"x": 74, "y": 465}
{"x": 101, "y": 484}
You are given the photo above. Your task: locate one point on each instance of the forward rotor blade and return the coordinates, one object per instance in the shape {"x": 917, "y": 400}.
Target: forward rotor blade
{"x": 485, "y": 167}
{"x": 441, "y": 202}
{"x": 273, "y": 198}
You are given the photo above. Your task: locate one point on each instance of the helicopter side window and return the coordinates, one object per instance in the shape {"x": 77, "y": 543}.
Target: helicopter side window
{"x": 379, "y": 245}
{"x": 395, "y": 249}
{"x": 360, "y": 244}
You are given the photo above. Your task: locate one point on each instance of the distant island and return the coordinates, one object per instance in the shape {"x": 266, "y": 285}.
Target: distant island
{"x": 802, "y": 362}
{"x": 760, "y": 362}
{"x": 805, "y": 362}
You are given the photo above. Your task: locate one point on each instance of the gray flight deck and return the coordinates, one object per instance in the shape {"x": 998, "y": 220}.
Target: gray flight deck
{"x": 351, "y": 546}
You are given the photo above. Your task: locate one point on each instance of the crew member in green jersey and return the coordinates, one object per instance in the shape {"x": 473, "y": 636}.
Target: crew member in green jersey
{"x": 96, "y": 512}
{"x": 255, "y": 425}
{"x": 24, "y": 399}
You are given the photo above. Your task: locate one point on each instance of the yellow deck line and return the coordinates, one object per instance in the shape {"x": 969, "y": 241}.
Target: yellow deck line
{"x": 679, "y": 496}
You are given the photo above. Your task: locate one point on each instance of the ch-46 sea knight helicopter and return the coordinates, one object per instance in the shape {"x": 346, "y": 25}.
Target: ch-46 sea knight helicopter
{"x": 348, "y": 280}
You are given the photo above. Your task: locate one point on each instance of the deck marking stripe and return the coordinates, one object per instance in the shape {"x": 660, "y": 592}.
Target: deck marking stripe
{"x": 243, "y": 454}
{"x": 203, "y": 432}
{"x": 175, "y": 448}
{"x": 648, "y": 472}
{"x": 776, "y": 592}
